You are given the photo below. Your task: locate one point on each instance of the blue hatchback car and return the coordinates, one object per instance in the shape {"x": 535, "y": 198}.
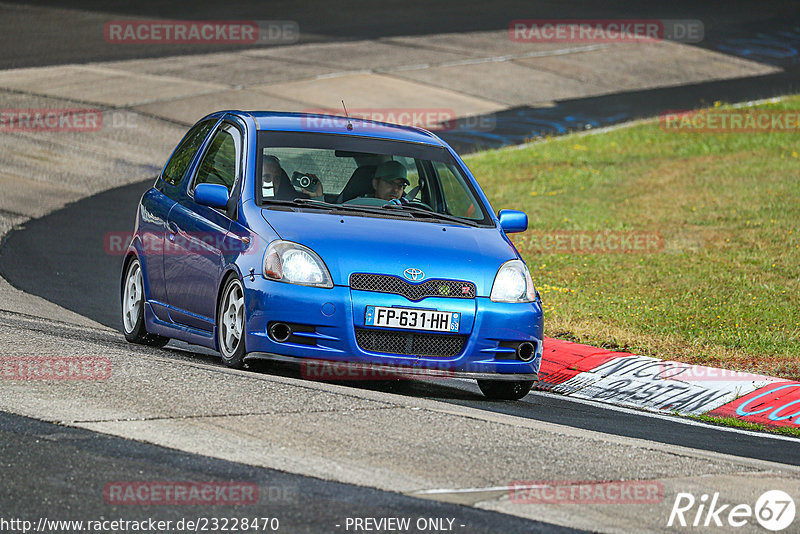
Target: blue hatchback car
{"x": 294, "y": 236}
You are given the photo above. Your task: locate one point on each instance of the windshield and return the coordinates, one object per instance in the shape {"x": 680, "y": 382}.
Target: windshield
{"x": 352, "y": 172}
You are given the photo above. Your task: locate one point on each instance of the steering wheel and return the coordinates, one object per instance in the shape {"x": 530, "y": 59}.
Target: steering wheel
{"x": 420, "y": 204}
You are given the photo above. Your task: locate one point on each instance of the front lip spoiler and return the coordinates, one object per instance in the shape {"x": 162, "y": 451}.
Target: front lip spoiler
{"x": 396, "y": 369}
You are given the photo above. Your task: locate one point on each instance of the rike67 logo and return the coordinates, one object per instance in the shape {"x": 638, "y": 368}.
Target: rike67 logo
{"x": 774, "y": 510}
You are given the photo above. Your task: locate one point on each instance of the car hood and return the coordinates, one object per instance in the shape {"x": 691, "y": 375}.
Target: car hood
{"x": 351, "y": 244}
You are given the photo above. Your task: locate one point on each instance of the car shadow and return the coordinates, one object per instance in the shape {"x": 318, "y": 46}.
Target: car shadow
{"x": 411, "y": 387}
{"x": 446, "y": 389}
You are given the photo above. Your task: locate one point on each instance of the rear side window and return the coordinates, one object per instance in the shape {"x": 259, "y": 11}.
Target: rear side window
{"x": 182, "y": 158}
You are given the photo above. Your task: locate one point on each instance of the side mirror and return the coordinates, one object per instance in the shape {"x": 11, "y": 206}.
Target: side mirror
{"x": 211, "y": 195}
{"x": 513, "y": 221}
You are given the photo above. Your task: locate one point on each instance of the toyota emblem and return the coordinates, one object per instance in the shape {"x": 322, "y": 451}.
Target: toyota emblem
{"x": 414, "y": 275}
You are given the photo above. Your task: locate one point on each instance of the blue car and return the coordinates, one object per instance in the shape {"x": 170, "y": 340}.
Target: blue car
{"x": 300, "y": 237}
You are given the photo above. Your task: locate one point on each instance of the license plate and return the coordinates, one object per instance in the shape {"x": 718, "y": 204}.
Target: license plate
{"x": 435, "y": 321}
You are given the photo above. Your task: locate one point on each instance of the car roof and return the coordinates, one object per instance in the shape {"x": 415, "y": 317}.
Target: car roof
{"x": 319, "y": 123}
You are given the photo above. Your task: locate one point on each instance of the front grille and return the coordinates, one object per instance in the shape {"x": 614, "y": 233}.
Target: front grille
{"x": 409, "y": 344}
{"x": 382, "y": 283}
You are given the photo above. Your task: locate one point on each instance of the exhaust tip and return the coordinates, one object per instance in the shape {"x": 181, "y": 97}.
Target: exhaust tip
{"x": 280, "y": 332}
{"x": 525, "y": 351}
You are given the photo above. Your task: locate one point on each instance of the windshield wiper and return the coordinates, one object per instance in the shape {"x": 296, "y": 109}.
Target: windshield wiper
{"x": 339, "y": 207}
{"x": 319, "y": 204}
{"x": 430, "y": 214}
{"x": 404, "y": 209}
{"x": 278, "y": 202}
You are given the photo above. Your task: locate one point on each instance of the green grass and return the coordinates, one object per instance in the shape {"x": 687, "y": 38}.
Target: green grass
{"x": 725, "y": 288}
{"x": 745, "y": 425}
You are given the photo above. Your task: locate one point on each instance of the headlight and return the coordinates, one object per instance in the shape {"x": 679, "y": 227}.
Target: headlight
{"x": 289, "y": 262}
{"x": 513, "y": 283}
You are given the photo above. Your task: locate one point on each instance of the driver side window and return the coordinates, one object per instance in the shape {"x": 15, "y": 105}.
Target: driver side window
{"x": 220, "y": 163}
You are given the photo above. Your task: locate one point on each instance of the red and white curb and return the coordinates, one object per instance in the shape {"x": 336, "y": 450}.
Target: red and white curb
{"x": 625, "y": 379}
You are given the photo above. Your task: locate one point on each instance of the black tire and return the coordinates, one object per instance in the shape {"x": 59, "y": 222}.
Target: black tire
{"x": 232, "y": 352}
{"x": 505, "y": 389}
{"x": 133, "y": 308}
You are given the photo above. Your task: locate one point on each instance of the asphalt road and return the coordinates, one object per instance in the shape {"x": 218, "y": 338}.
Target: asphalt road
{"x": 65, "y": 257}
{"x": 517, "y": 125}
{"x": 62, "y": 473}
{"x": 42, "y": 32}
{"x": 562, "y": 410}
{"x": 48, "y": 33}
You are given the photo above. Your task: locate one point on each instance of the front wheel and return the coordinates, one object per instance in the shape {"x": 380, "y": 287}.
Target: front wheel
{"x": 230, "y": 324}
{"x": 133, "y": 309}
{"x": 505, "y": 389}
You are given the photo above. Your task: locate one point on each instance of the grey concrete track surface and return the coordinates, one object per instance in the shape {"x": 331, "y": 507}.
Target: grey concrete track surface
{"x": 76, "y": 260}
{"x": 48, "y": 32}
{"x": 433, "y": 441}
{"x": 417, "y": 446}
{"x": 87, "y": 462}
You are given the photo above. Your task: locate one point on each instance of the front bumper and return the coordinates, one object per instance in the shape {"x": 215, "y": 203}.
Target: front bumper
{"x": 330, "y": 318}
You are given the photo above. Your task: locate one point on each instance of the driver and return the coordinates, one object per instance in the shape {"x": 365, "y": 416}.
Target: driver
{"x": 390, "y": 180}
